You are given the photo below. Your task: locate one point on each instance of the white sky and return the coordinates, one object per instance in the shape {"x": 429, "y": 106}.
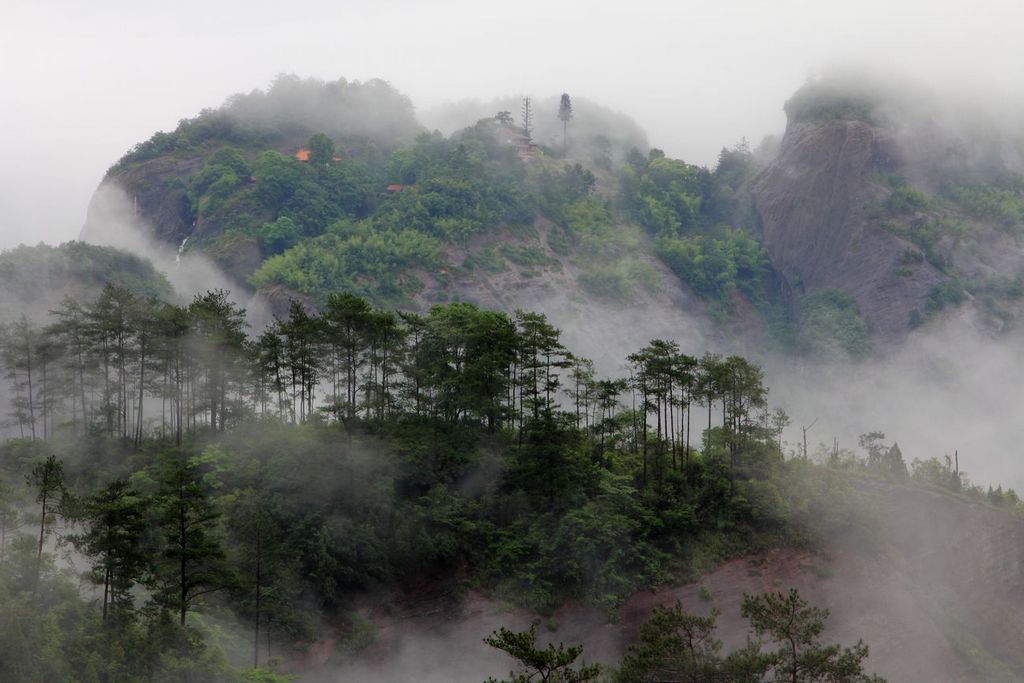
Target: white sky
{"x": 81, "y": 82}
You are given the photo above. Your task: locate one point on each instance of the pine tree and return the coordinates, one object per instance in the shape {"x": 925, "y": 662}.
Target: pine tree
{"x": 553, "y": 663}
{"x": 218, "y": 343}
{"x": 191, "y": 564}
{"x": 565, "y": 115}
{"x": 527, "y": 118}
{"x": 674, "y": 646}
{"x": 793, "y": 624}
{"x": 115, "y": 530}
{"x": 47, "y": 478}
{"x": 266, "y": 565}
{"x": 19, "y": 354}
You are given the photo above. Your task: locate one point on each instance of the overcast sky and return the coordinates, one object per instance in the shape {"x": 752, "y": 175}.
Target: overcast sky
{"x": 82, "y": 82}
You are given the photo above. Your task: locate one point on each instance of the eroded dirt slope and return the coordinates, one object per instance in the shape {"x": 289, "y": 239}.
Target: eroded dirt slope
{"x": 935, "y": 589}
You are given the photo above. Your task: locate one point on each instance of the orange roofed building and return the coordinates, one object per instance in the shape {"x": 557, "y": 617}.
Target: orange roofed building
{"x": 303, "y": 155}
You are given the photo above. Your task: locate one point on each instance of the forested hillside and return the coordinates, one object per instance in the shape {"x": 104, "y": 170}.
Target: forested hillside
{"x": 201, "y": 477}
{"x": 867, "y": 220}
{"x": 185, "y": 497}
{"x": 299, "y": 211}
{"x": 33, "y": 280}
{"x": 213, "y": 485}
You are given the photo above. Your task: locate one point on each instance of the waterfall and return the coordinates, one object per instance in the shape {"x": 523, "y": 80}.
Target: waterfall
{"x": 181, "y": 248}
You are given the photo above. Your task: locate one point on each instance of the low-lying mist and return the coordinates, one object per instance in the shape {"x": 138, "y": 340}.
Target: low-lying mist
{"x": 596, "y": 132}
{"x": 943, "y": 128}
{"x": 948, "y": 387}
{"x": 112, "y": 221}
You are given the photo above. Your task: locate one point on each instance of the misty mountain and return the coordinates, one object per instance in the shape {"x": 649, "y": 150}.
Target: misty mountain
{"x": 339, "y": 482}
{"x": 484, "y": 215}
{"x": 878, "y": 211}
{"x": 906, "y": 581}
{"x": 34, "y": 280}
{"x": 908, "y": 206}
{"x": 599, "y": 134}
{"x": 409, "y": 452}
{"x": 368, "y": 117}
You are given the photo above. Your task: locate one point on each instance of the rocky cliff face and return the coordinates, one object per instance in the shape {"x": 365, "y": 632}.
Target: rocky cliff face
{"x": 151, "y": 199}
{"x": 911, "y": 205}
{"x": 875, "y": 203}
{"x": 157, "y": 193}
{"x": 812, "y": 204}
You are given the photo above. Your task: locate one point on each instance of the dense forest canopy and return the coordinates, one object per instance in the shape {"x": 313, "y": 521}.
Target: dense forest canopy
{"x": 33, "y": 279}
{"x": 369, "y": 113}
{"x": 300, "y": 206}
{"x": 203, "y": 470}
{"x": 231, "y": 490}
{"x": 314, "y": 187}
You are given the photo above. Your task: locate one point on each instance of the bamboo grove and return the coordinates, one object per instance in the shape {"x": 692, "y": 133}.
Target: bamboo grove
{"x": 140, "y": 368}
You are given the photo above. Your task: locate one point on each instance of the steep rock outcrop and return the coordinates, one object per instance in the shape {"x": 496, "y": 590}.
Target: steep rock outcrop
{"x": 158, "y": 192}
{"x": 811, "y": 203}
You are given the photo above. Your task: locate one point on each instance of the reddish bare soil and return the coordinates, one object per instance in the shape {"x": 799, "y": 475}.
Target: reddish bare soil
{"x": 937, "y": 594}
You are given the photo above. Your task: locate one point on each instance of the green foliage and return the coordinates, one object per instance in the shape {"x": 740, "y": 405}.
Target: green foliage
{"x": 610, "y": 283}
{"x": 826, "y": 99}
{"x": 936, "y": 473}
{"x": 723, "y": 194}
{"x": 1004, "y": 206}
{"x": 335, "y": 229}
{"x": 715, "y": 266}
{"x": 677, "y": 646}
{"x": 830, "y": 325}
{"x": 222, "y": 174}
{"x": 435, "y": 191}
{"x": 50, "y": 633}
{"x": 606, "y": 251}
{"x": 893, "y": 465}
{"x": 674, "y": 646}
{"x": 278, "y": 236}
{"x": 906, "y": 200}
{"x": 486, "y": 259}
{"x": 525, "y": 256}
{"x": 943, "y": 474}
{"x": 882, "y": 459}
{"x": 76, "y": 269}
{"x": 263, "y": 676}
{"x": 597, "y": 550}
{"x": 559, "y": 190}
{"x": 996, "y": 288}
{"x": 795, "y": 626}
{"x": 278, "y": 177}
{"x": 553, "y": 664}
{"x": 321, "y": 150}
{"x": 359, "y": 634}
{"x": 291, "y": 107}
{"x": 927, "y": 234}
{"x": 340, "y": 451}
{"x": 949, "y": 293}
{"x": 191, "y": 564}
{"x": 353, "y": 259}
{"x": 590, "y": 223}
{"x": 665, "y": 196}
{"x": 114, "y": 520}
